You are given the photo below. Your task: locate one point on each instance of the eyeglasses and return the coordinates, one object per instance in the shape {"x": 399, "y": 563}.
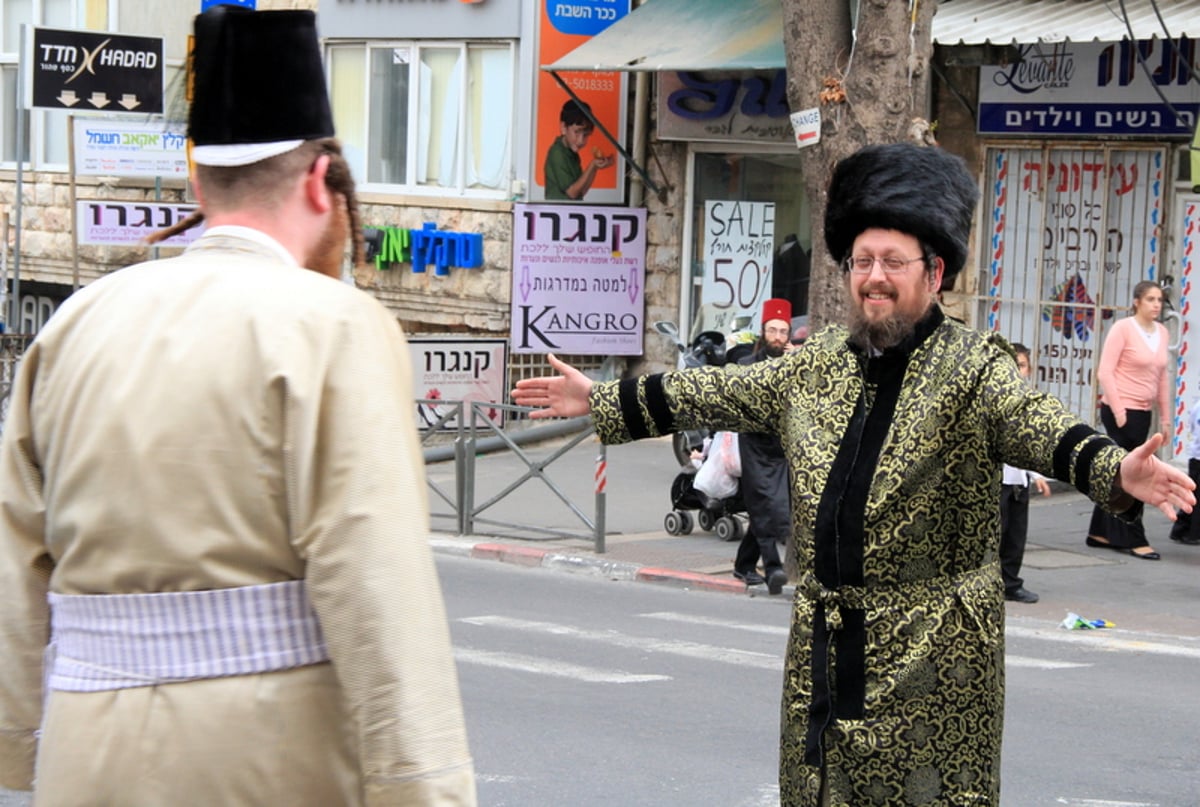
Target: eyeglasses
{"x": 777, "y": 331}
{"x": 863, "y": 264}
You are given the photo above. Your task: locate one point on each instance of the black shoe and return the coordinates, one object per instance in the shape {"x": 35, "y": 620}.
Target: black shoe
{"x": 1145, "y": 555}
{"x": 1021, "y": 594}
{"x": 1185, "y": 539}
{"x": 776, "y": 580}
{"x": 1090, "y": 541}
{"x": 749, "y": 578}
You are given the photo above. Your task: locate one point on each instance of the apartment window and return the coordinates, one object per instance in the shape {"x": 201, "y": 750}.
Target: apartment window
{"x": 429, "y": 117}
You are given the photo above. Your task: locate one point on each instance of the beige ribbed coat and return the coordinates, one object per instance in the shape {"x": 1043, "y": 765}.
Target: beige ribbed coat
{"x": 224, "y": 419}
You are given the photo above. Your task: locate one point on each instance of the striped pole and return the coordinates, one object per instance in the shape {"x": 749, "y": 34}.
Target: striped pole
{"x": 601, "y": 478}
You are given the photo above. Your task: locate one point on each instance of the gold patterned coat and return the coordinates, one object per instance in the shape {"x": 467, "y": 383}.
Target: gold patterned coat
{"x": 894, "y": 677}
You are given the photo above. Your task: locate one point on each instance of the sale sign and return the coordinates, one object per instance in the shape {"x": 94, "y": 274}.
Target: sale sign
{"x": 739, "y": 240}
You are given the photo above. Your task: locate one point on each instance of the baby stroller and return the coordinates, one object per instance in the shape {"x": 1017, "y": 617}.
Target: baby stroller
{"x": 719, "y": 508}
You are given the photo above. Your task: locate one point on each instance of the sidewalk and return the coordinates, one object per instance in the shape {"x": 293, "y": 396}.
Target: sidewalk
{"x": 1147, "y": 596}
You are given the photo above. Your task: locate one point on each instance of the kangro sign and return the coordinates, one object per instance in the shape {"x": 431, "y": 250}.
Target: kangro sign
{"x": 95, "y": 71}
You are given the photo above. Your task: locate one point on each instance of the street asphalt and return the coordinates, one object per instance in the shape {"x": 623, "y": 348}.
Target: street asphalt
{"x": 532, "y": 526}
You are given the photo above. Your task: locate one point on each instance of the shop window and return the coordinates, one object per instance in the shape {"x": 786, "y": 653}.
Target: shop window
{"x": 760, "y": 224}
{"x": 426, "y": 117}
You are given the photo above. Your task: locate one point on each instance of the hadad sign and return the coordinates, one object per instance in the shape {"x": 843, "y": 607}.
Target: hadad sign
{"x": 94, "y": 71}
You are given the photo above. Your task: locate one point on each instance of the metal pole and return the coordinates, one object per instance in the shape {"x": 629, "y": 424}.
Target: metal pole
{"x": 74, "y": 214}
{"x": 4, "y": 272}
{"x": 460, "y": 470}
{"x": 157, "y": 198}
{"x": 601, "y": 498}
{"x": 468, "y": 483}
{"x": 15, "y": 318}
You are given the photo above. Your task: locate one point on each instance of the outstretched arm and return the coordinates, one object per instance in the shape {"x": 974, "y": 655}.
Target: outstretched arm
{"x": 1146, "y": 477}
{"x": 564, "y": 395}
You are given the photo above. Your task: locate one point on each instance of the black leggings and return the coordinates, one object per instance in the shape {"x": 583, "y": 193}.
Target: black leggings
{"x": 1130, "y": 436}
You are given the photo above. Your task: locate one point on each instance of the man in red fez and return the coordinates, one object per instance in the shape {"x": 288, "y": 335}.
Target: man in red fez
{"x": 764, "y": 482}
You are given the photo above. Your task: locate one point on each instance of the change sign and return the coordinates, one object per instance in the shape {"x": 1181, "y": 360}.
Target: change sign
{"x": 95, "y": 71}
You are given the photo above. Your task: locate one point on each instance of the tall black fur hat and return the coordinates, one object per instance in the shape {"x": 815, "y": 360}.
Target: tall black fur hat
{"x": 925, "y": 192}
{"x": 259, "y": 84}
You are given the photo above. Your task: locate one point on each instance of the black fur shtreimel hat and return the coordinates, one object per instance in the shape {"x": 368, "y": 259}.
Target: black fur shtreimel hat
{"x": 258, "y": 85}
{"x": 923, "y": 191}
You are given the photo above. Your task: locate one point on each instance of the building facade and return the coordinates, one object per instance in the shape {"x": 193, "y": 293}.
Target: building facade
{"x": 449, "y": 122}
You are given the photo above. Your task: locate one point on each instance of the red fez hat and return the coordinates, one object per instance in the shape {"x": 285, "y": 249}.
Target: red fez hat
{"x": 777, "y": 308}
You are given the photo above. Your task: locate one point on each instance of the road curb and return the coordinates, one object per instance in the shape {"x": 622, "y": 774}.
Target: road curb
{"x": 708, "y": 582}
{"x": 520, "y": 555}
{"x": 582, "y": 564}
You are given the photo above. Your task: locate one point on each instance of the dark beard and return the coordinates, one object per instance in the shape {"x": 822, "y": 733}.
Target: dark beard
{"x": 774, "y": 351}
{"x": 880, "y": 335}
{"x": 329, "y": 252}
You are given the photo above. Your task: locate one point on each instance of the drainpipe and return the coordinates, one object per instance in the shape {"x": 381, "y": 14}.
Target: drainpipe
{"x": 641, "y": 119}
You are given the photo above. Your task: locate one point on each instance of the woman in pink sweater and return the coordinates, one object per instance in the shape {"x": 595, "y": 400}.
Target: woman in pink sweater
{"x": 1133, "y": 379}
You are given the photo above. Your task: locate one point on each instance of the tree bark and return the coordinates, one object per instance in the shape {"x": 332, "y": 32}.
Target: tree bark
{"x": 885, "y": 78}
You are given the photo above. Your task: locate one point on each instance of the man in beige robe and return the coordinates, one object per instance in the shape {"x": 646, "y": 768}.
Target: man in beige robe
{"x": 210, "y": 469}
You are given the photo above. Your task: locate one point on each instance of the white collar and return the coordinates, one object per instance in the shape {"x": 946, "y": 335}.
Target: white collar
{"x": 257, "y": 236}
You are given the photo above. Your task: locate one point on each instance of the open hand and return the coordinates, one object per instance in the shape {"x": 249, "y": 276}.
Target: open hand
{"x": 1146, "y": 477}
{"x": 602, "y": 160}
{"x": 561, "y": 396}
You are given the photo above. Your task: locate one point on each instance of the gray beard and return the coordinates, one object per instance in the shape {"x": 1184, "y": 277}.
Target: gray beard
{"x": 879, "y": 336}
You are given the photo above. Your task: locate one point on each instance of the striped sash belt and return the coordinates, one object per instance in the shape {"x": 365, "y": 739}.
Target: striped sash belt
{"x": 114, "y": 641}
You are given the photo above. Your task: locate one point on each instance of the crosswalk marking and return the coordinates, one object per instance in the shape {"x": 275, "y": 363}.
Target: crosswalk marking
{"x": 1105, "y": 640}
{"x": 1108, "y": 641}
{"x": 774, "y": 630}
{"x": 761, "y": 796}
{"x": 742, "y": 627}
{"x": 558, "y": 669}
{"x": 746, "y": 658}
{"x": 1102, "y": 803}
{"x": 1040, "y": 663}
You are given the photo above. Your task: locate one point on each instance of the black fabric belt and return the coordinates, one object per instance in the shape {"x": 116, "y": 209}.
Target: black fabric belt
{"x": 839, "y": 621}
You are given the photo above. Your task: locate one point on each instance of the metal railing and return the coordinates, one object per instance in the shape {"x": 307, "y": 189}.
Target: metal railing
{"x": 479, "y": 434}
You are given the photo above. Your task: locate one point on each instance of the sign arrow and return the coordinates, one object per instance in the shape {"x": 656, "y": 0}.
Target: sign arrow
{"x": 103, "y": 71}
{"x": 526, "y": 285}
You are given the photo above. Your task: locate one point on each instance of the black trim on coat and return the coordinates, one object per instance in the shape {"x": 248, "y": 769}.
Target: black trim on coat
{"x": 656, "y": 403}
{"x": 631, "y": 413}
{"x": 839, "y": 687}
{"x": 1083, "y": 463}
{"x": 1062, "y": 452}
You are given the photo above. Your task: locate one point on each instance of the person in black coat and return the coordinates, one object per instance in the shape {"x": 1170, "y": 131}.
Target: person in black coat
{"x": 764, "y": 483}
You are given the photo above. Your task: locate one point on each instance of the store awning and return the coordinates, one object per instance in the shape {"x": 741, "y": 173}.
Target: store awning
{"x": 1003, "y": 22}
{"x": 680, "y": 35}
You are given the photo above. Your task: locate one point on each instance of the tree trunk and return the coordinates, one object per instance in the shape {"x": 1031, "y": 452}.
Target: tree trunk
{"x": 885, "y": 79}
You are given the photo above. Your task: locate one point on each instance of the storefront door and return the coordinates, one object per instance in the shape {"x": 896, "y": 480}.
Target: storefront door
{"x": 749, "y": 238}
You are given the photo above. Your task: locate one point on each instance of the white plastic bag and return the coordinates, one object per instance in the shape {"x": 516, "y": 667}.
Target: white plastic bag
{"x": 717, "y": 477}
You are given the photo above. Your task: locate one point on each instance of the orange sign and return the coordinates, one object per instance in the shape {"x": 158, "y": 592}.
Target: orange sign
{"x": 562, "y": 28}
